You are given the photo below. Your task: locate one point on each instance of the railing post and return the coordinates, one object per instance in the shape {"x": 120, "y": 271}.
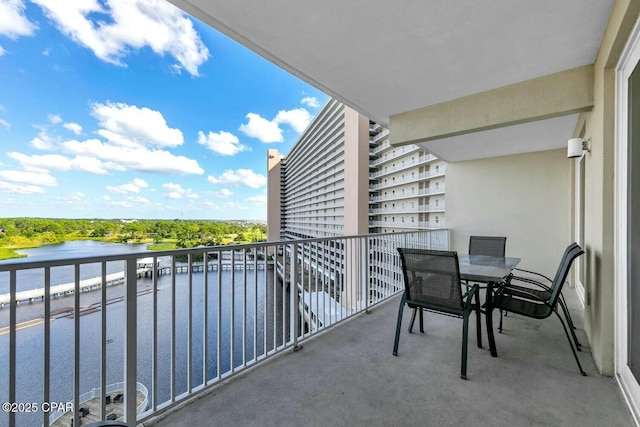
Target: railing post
{"x": 364, "y": 250}
{"x": 12, "y": 343}
{"x": 294, "y": 324}
{"x": 130, "y": 341}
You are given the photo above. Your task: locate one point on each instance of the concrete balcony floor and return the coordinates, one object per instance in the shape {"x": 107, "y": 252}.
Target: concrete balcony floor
{"x": 348, "y": 376}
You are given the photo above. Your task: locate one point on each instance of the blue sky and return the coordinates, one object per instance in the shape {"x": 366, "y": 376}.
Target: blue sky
{"x": 133, "y": 109}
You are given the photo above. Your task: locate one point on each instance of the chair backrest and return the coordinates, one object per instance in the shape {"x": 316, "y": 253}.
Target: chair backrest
{"x": 487, "y": 245}
{"x": 573, "y": 252}
{"x": 431, "y": 277}
{"x": 567, "y": 251}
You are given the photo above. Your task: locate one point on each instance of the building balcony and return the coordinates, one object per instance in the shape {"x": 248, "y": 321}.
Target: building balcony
{"x": 74, "y": 327}
{"x": 407, "y": 179}
{"x": 417, "y": 225}
{"x": 402, "y": 152}
{"x": 393, "y": 196}
{"x": 440, "y": 207}
{"x": 349, "y": 377}
{"x": 146, "y": 327}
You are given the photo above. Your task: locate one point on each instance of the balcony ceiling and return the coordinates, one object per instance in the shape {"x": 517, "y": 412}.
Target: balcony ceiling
{"x": 383, "y": 60}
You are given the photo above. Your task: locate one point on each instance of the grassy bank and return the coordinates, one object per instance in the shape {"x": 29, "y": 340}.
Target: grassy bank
{"x": 8, "y": 253}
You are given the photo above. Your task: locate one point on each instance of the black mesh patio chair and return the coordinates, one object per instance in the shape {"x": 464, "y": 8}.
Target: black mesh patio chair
{"x": 487, "y": 245}
{"x": 432, "y": 282}
{"x": 522, "y": 287}
{"x": 527, "y": 304}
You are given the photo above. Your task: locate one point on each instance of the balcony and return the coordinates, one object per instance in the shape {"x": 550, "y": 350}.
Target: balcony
{"x": 75, "y": 327}
{"x": 147, "y": 328}
{"x": 349, "y": 377}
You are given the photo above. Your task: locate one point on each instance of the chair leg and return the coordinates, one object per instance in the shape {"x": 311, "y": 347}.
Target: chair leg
{"x": 465, "y": 335}
{"x": 413, "y": 319}
{"x": 575, "y": 355}
{"x": 478, "y": 321}
{"x": 421, "y": 321}
{"x": 398, "y": 326}
{"x": 571, "y": 326}
{"x": 502, "y": 314}
{"x": 568, "y": 315}
{"x": 489, "y": 319}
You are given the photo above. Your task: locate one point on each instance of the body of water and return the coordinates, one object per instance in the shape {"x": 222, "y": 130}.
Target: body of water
{"x": 253, "y": 297}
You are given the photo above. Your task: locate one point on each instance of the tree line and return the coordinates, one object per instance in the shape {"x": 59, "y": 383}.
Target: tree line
{"x": 22, "y": 232}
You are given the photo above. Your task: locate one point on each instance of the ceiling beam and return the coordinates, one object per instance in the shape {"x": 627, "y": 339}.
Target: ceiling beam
{"x": 554, "y": 95}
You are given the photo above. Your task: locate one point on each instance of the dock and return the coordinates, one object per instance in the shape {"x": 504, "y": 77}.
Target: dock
{"x": 65, "y": 289}
{"x": 144, "y": 269}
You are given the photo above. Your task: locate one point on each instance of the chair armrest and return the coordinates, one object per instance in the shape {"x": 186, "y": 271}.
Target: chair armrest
{"x": 469, "y": 295}
{"x": 534, "y": 273}
{"x": 529, "y": 281}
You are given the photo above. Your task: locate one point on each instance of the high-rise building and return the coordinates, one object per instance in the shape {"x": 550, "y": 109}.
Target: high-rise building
{"x": 341, "y": 178}
{"x": 343, "y": 163}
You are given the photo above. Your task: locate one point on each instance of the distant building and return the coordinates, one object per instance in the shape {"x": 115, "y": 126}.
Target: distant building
{"x": 385, "y": 188}
{"x": 342, "y": 177}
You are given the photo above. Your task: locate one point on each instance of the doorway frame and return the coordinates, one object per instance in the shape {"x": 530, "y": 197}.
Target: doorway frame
{"x": 629, "y": 385}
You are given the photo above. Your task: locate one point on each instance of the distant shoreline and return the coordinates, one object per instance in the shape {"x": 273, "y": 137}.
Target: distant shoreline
{"x": 10, "y": 251}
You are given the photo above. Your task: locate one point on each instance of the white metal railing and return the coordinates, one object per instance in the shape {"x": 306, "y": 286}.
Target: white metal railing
{"x": 422, "y": 192}
{"x": 407, "y": 179}
{"x": 189, "y": 322}
{"x": 401, "y": 152}
{"x": 431, "y": 225}
{"x": 407, "y": 165}
{"x": 410, "y": 209}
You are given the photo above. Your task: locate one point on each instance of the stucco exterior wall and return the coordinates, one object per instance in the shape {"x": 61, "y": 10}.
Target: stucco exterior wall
{"x": 356, "y": 172}
{"x": 273, "y": 194}
{"x": 524, "y": 197}
{"x": 599, "y": 183}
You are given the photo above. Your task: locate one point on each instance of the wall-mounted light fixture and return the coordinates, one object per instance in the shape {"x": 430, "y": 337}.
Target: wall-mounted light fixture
{"x": 576, "y": 147}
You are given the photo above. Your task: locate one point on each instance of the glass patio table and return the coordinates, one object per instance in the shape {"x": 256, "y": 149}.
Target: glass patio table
{"x": 490, "y": 270}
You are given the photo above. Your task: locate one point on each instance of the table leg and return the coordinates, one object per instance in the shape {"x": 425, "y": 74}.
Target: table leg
{"x": 489, "y": 319}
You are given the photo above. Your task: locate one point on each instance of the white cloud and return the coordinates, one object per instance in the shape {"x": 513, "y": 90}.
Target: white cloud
{"x": 269, "y": 130}
{"x": 5, "y": 123}
{"x": 139, "y": 200}
{"x": 43, "y": 141}
{"x": 258, "y": 199}
{"x": 132, "y": 135}
{"x": 72, "y": 198}
{"x": 73, "y": 127}
{"x": 223, "y": 193}
{"x": 122, "y": 204}
{"x": 223, "y": 143}
{"x": 112, "y": 31}
{"x": 2, "y": 51}
{"x": 298, "y": 118}
{"x": 107, "y": 197}
{"x": 176, "y": 191}
{"x": 240, "y": 177}
{"x": 28, "y": 177}
{"x": 134, "y": 159}
{"x": 8, "y": 187}
{"x": 44, "y": 163}
{"x": 131, "y": 187}
{"x": 310, "y": 101}
{"x": 130, "y": 125}
{"x": 261, "y": 128}
{"x": 13, "y": 22}
{"x": 55, "y": 119}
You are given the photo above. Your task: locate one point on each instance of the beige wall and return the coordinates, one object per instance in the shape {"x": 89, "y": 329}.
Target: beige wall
{"x": 524, "y": 197}
{"x": 599, "y": 194}
{"x": 356, "y": 173}
{"x": 273, "y": 195}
